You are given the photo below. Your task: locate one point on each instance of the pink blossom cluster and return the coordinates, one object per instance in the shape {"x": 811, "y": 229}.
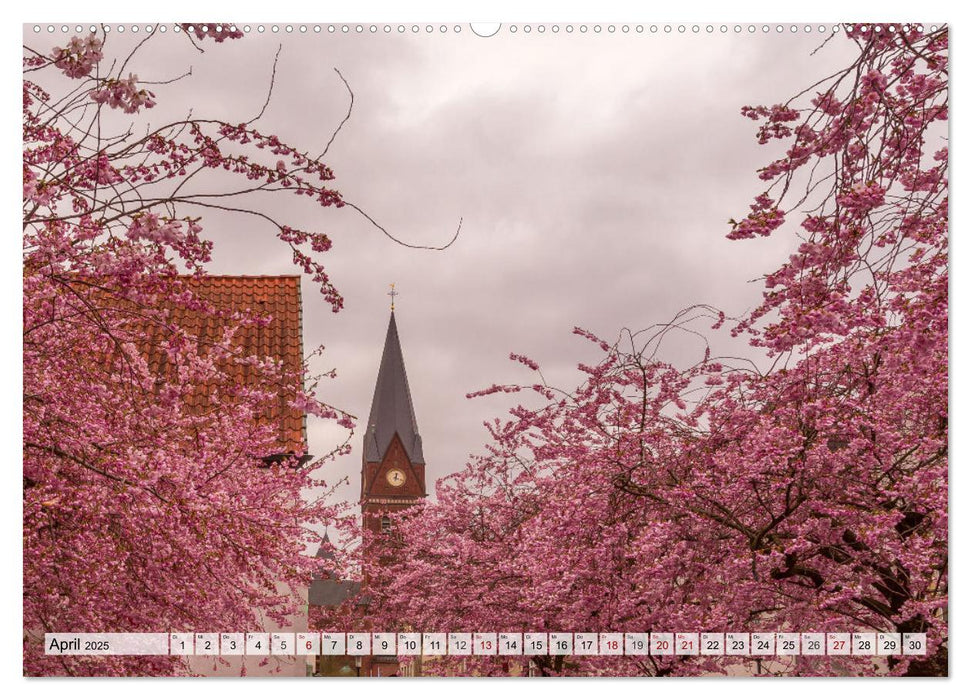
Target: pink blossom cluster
{"x": 151, "y": 470}
{"x": 871, "y": 139}
{"x": 166, "y": 231}
{"x": 123, "y": 93}
{"x": 219, "y": 31}
{"x": 98, "y": 170}
{"x": 764, "y": 219}
{"x": 522, "y": 359}
{"x": 79, "y": 57}
{"x": 862, "y": 197}
{"x": 808, "y": 491}
{"x": 776, "y": 119}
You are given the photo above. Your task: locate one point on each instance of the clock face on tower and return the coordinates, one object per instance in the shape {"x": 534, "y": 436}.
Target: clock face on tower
{"x": 396, "y": 477}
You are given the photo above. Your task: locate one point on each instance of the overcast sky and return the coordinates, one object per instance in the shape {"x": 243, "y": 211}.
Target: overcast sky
{"x": 595, "y": 174}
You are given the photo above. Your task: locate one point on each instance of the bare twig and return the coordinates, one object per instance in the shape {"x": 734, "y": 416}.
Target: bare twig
{"x": 269, "y": 92}
{"x": 188, "y": 35}
{"x": 383, "y": 230}
{"x": 825, "y": 41}
{"x": 347, "y": 116}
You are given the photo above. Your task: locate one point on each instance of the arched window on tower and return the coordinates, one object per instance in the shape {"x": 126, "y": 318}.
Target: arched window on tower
{"x": 385, "y": 524}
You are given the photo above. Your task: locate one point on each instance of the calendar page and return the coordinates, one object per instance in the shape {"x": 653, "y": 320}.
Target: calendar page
{"x": 526, "y": 349}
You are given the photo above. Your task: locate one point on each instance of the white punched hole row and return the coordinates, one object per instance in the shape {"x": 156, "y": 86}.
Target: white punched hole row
{"x": 483, "y": 30}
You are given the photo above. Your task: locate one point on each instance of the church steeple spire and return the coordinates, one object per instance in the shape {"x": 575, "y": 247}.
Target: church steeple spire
{"x": 393, "y": 466}
{"x": 392, "y": 410}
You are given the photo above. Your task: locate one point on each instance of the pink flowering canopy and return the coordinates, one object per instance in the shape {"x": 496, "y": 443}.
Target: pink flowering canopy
{"x": 803, "y": 492}
{"x": 145, "y": 504}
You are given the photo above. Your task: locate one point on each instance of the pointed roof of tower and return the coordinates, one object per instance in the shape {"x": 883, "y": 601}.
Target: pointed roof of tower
{"x": 391, "y": 408}
{"x": 325, "y": 550}
{"x": 325, "y": 588}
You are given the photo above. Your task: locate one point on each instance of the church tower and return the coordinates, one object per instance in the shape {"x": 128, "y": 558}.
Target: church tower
{"x": 393, "y": 465}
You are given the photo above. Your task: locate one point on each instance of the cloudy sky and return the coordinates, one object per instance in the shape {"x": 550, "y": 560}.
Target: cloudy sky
{"x": 595, "y": 174}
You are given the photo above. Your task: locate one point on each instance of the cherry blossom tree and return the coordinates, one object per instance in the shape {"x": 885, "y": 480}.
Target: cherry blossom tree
{"x": 801, "y": 489}
{"x": 147, "y": 506}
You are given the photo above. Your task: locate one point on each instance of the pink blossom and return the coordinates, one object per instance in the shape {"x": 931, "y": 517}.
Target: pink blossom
{"x": 79, "y": 57}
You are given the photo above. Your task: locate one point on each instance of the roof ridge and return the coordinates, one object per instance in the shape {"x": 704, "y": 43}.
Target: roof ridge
{"x": 211, "y": 276}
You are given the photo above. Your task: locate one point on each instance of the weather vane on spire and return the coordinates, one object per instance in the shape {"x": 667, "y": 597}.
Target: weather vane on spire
{"x": 392, "y": 294}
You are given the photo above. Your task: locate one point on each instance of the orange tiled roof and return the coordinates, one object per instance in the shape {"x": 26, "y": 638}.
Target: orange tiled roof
{"x": 281, "y": 339}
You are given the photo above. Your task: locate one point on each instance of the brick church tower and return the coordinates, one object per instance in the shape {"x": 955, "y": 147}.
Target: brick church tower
{"x": 393, "y": 465}
{"x": 392, "y": 479}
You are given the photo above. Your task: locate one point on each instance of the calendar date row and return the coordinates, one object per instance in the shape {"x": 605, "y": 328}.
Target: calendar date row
{"x": 751, "y": 644}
